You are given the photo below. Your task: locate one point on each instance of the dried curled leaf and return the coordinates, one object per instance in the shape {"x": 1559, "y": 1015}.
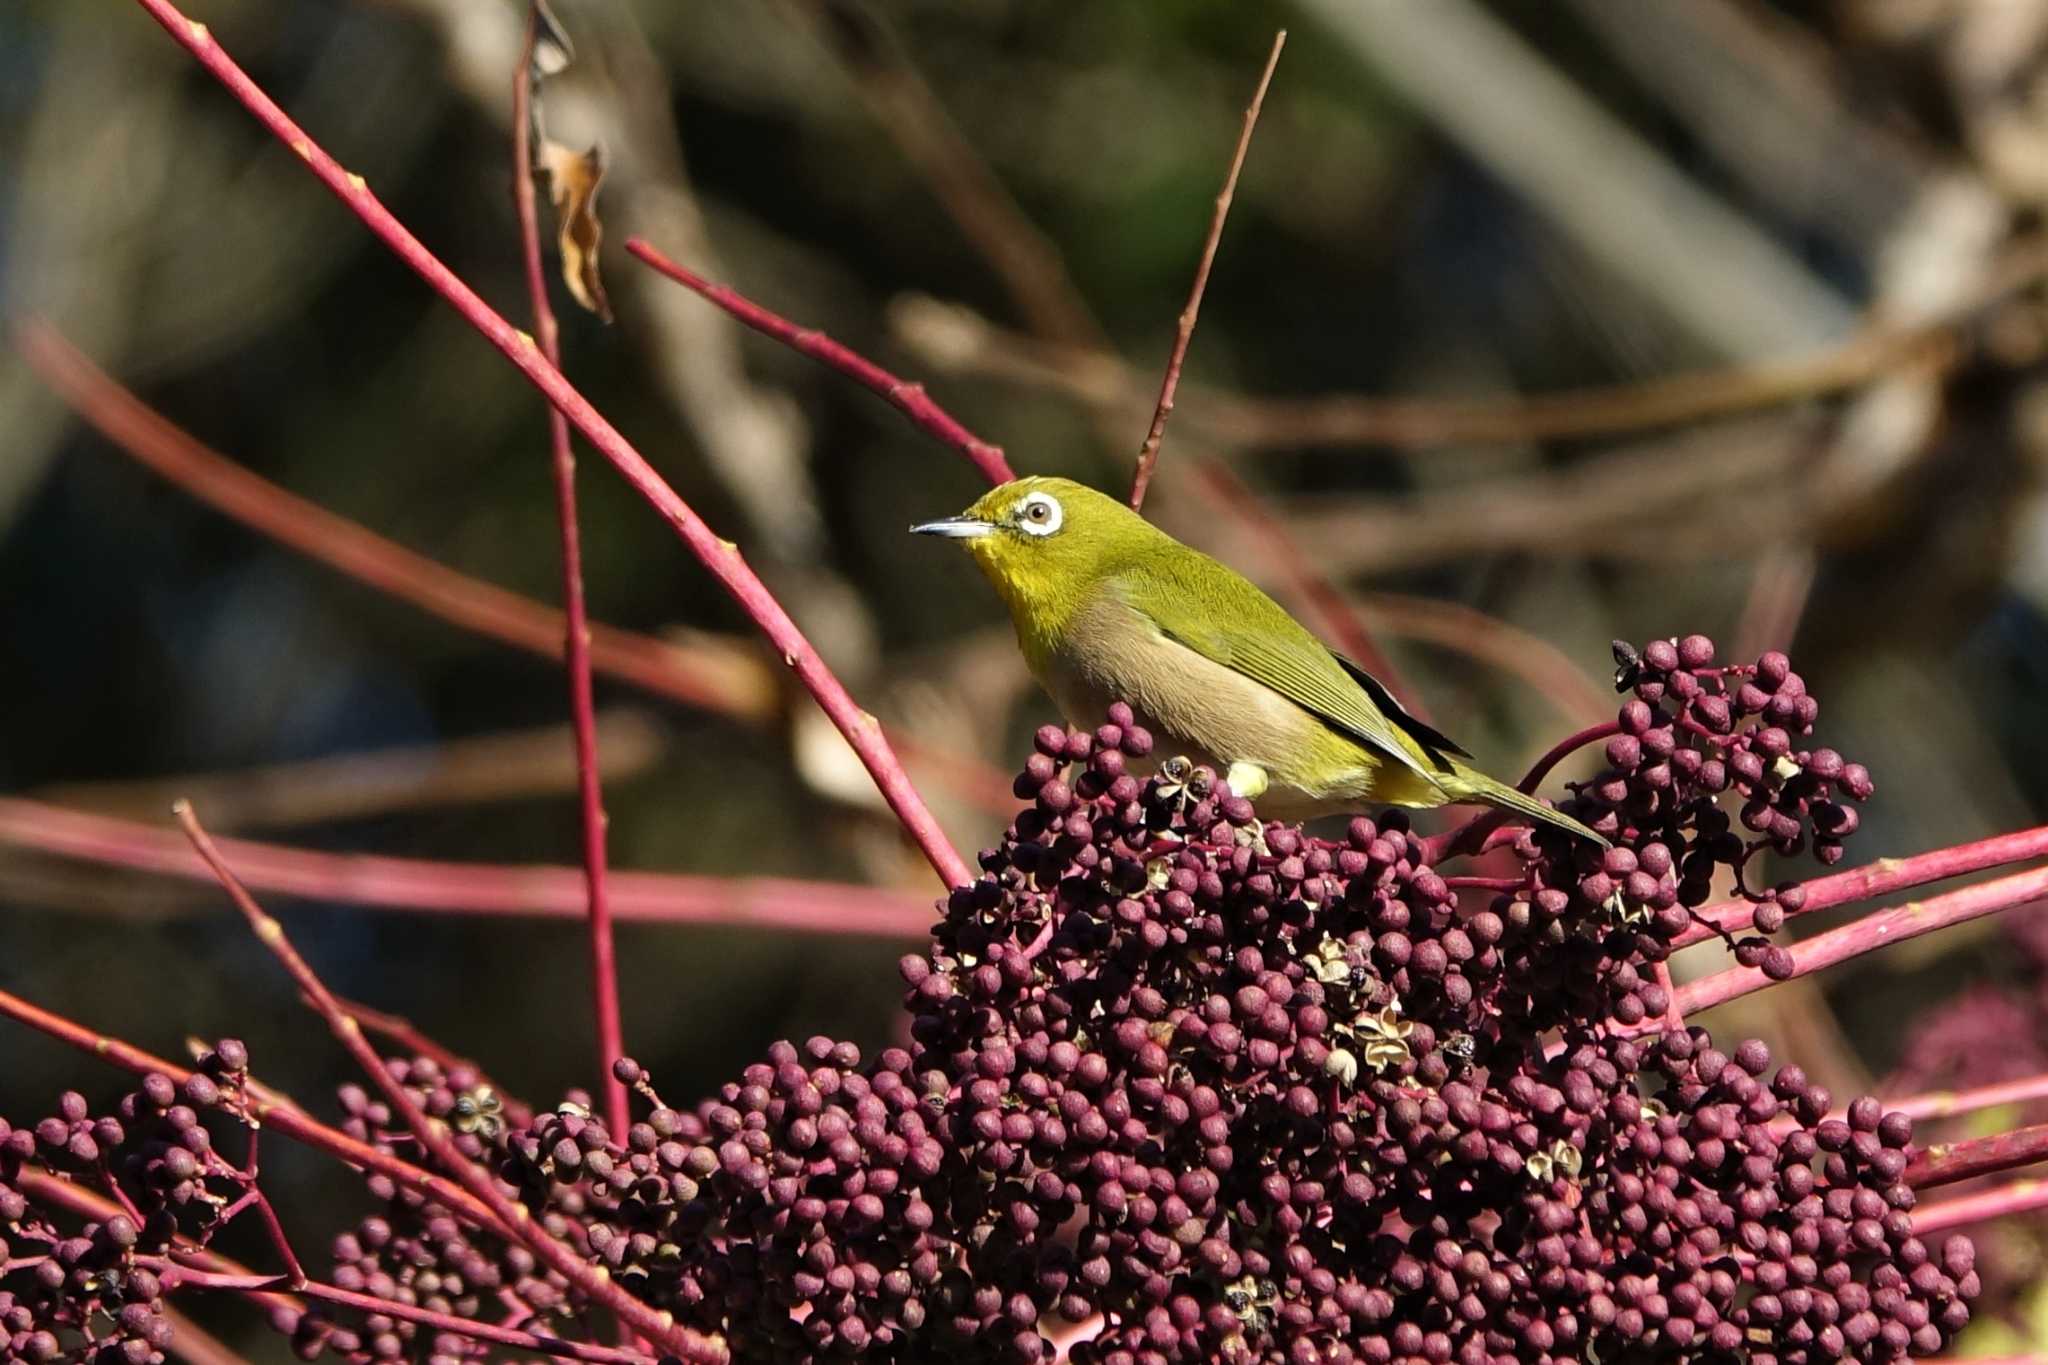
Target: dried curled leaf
{"x": 573, "y": 181}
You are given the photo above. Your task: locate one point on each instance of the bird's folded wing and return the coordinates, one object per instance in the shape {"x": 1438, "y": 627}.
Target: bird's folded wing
{"x": 1434, "y": 742}
{"x": 1279, "y": 654}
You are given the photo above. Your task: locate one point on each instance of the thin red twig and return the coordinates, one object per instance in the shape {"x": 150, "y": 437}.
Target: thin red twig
{"x": 473, "y": 888}
{"x": 203, "y": 1268}
{"x": 285, "y": 1118}
{"x": 906, "y": 397}
{"x": 1563, "y": 749}
{"x": 724, "y": 681}
{"x": 604, "y": 966}
{"x": 58, "y": 1192}
{"x": 397, "y": 1029}
{"x": 195, "y": 1345}
{"x": 1947, "y": 1162}
{"x": 1148, "y": 452}
{"x": 1547, "y": 670}
{"x": 721, "y": 556}
{"x": 586, "y": 1278}
{"x": 176, "y": 1276}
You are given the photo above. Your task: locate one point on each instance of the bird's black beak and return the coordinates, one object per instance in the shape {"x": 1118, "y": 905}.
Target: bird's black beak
{"x": 955, "y": 528}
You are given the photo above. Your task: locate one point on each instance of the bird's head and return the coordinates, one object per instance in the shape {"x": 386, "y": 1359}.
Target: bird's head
{"x": 1043, "y": 542}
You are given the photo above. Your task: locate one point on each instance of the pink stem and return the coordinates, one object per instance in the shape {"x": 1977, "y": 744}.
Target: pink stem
{"x": 1148, "y": 453}
{"x": 474, "y": 888}
{"x": 1947, "y": 1162}
{"x": 587, "y": 1279}
{"x": 722, "y": 557}
{"x": 1878, "y": 878}
{"x": 907, "y": 398}
{"x": 1942, "y": 1104}
{"x": 604, "y": 967}
{"x": 176, "y": 1276}
{"x": 2018, "y": 1196}
{"x": 1544, "y": 668}
{"x": 195, "y": 1345}
{"x": 284, "y": 1118}
{"x": 1873, "y": 931}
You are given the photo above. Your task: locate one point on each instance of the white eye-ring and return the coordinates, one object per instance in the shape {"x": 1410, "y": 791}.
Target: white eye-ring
{"x": 1039, "y": 514}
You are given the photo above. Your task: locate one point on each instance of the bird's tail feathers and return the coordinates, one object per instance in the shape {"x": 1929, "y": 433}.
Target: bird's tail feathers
{"x": 1470, "y": 785}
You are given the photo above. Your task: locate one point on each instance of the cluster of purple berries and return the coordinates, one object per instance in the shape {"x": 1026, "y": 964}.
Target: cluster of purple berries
{"x": 1190, "y": 1087}
{"x": 1693, "y": 733}
{"x": 1184, "y": 1086}
{"x": 93, "y": 1291}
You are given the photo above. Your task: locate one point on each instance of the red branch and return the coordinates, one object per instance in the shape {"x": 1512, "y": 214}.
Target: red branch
{"x": 908, "y": 398}
{"x": 1148, "y": 453}
{"x": 604, "y": 969}
{"x": 696, "y": 678}
{"x": 1878, "y": 878}
{"x": 473, "y": 888}
{"x": 1477, "y": 834}
{"x": 1947, "y": 1162}
{"x": 1562, "y": 750}
{"x": 2018, "y": 1196}
{"x": 722, "y": 557}
{"x": 59, "y": 1192}
{"x": 587, "y": 1279}
{"x": 1873, "y": 931}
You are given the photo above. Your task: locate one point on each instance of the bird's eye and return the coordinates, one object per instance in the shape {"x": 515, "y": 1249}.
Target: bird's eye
{"x": 1039, "y": 514}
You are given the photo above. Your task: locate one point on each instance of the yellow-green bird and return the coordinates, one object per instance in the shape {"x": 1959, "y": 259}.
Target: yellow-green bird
{"x": 1110, "y": 608}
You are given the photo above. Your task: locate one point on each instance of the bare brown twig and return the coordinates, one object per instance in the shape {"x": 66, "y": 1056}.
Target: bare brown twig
{"x": 959, "y": 342}
{"x": 1148, "y": 452}
{"x": 1023, "y": 258}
